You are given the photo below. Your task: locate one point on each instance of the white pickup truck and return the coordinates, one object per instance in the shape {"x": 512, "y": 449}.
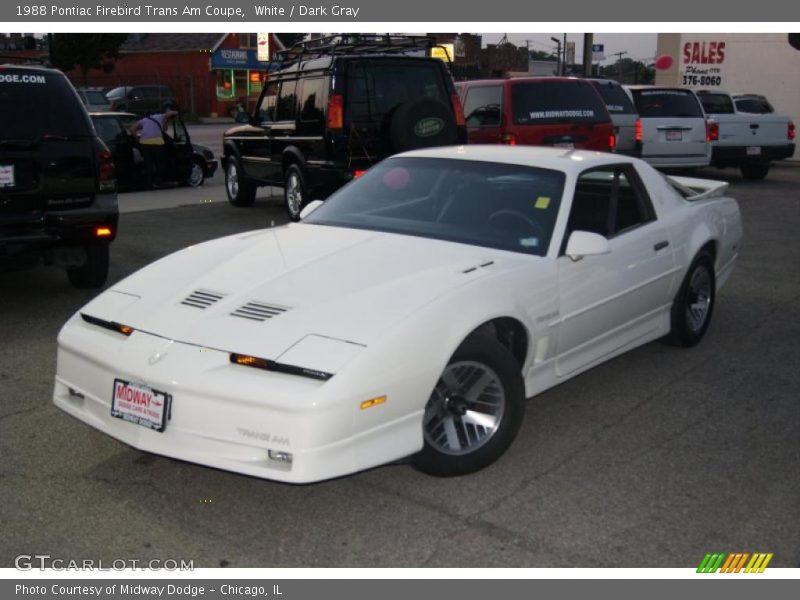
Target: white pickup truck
{"x": 746, "y": 140}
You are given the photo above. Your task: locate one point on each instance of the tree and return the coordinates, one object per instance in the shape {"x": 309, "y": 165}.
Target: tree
{"x": 290, "y": 39}
{"x": 628, "y": 70}
{"x": 85, "y": 51}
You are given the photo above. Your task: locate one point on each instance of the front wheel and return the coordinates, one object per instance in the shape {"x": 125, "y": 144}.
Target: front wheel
{"x": 474, "y": 412}
{"x": 755, "y": 171}
{"x": 294, "y": 192}
{"x": 694, "y": 304}
{"x": 241, "y": 191}
{"x": 196, "y": 176}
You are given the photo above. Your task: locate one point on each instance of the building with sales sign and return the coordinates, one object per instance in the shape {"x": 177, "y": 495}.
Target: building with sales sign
{"x": 756, "y": 63}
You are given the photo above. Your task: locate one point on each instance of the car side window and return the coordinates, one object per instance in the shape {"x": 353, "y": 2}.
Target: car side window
{"x": 482, "y": 106}
{"x": 286, "y": 108}
{"x": 179, "y": 133}
{"x": 609, "y": 201}
{"x": 266, "y": 108}
{"x": 311, "y": 100}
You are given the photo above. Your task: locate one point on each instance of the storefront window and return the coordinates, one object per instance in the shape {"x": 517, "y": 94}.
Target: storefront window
{"x": 226, "y": 85}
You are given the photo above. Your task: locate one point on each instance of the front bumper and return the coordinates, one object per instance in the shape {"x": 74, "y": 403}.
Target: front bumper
{"x": 210, "y": 167}
{"x": 225, "y": 415}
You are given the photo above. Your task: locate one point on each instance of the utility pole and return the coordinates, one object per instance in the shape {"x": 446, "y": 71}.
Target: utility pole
{"x": 588, "y": 40}
{"x": 558, "y": 54}
{"x": 619, "y": 68}
{"x": 564, "y": 61}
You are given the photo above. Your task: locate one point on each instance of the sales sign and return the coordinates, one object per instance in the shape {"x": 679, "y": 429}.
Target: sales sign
{"x": 702, "y": 63}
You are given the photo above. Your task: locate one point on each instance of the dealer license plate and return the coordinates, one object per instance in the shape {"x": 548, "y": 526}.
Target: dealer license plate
{"x": 141, "y": 405}
{"x": 754, "y": 151}
{"x": 674, "y": 135}
{"x": 6, "y": 176}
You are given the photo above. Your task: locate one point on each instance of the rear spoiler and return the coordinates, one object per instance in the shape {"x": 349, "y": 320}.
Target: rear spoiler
{"x": 698, "y": 189}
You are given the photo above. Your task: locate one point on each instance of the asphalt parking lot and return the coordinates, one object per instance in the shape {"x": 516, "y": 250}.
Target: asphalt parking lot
{"x": 652, "y": 459}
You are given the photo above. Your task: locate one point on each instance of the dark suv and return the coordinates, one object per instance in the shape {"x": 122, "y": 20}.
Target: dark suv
{"x": 340, "y": 105}
{"x": 58, "y": 200}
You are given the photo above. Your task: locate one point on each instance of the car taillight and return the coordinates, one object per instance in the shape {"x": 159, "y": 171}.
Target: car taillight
{"x": 712, "y": 131}
{"x": 612, "y": 141}
{"x": 790, "y": 132}
{"x": 335, "y": 112}
{"x": 638, "y": 133}
{"x": 458, "y": 110}
{"x": 106, "y": 174}
{"x": 358, "y": 173}
{"x": 508, "y": 138}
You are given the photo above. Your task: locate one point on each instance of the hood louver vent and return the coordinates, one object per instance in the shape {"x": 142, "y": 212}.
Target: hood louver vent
{"x": 202, "y": 298}
{"x": 258, "y": 311}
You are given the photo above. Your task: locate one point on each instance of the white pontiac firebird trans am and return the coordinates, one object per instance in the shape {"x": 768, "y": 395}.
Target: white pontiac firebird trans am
{"x": 409, "y": 315}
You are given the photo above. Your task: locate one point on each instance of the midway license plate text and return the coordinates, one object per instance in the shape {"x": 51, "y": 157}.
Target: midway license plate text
{"x": 140, "y": 404}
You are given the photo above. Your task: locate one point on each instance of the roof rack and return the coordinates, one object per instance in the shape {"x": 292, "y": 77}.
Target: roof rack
{"x": 345, "y": 43}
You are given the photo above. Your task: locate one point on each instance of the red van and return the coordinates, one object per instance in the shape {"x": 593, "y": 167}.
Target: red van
{"x": 541, "y": 111}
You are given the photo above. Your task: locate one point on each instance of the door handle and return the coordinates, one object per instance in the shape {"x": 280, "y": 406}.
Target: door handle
{"x": 661, "y": 245}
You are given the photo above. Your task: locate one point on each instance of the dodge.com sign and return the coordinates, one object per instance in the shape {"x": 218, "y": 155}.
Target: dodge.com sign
{"x": 702, "y": 63}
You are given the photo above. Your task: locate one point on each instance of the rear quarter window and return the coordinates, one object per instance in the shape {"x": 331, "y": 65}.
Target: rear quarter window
{"x": 482, "y": 105}
{"x": 617, "y": 101}
{"x": 34, "y": 104}
{"x": 667, "y": 103}
{"x": 556, "y": 102}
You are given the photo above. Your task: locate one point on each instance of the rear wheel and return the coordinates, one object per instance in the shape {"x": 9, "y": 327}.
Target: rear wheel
{"x": 474, "y": 412}
{"x": 694, "y": 304}
{"x": 241, "y": 191}
{"x": 94, "y": 272}
{"x": 294, "y": 192}
{"x": 755, "y": 171}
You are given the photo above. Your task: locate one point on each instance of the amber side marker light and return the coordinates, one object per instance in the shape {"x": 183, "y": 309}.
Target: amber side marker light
{"x": 250, "y": 361}
{"x": 270, "y": 365}
{"x": 102, "y": 232}
{"x": 110, "y": 325}
{"x": 373, "y": 402}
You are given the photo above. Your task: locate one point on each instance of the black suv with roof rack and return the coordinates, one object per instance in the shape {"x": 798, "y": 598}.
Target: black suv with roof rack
{"x": 339, "y": 105}
{"x": 58, "y": 199}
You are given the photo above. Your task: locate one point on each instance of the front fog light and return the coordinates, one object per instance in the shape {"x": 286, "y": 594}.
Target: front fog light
{"x": 280, "y": 456}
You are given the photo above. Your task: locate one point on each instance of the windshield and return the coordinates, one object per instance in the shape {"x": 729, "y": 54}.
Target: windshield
{"x": 556, "y": 102}
{"x": 667, "y": 103}
{"x": 34, "y": 104}
{"x": 495, "y": 205}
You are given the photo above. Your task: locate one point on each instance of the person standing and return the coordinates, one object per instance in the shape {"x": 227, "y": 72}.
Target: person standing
{"x": 151, "y": 131}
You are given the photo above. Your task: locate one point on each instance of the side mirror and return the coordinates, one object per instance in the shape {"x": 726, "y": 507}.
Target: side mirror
{"x": 242, "y": 117}
{"x": 309, "y": 208}
{"x": 585, "y": 243}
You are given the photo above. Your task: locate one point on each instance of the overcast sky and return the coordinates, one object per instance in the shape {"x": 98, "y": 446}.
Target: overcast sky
{"x": 639, "y": 46}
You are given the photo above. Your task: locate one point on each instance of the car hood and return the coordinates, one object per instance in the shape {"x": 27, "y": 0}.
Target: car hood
{"x": 344, "y": 284}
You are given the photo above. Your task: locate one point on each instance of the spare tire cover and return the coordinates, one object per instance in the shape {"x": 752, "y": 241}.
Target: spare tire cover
{"x": 422, "y": 123}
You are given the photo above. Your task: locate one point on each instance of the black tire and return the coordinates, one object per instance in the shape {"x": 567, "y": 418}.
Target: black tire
{"x": 94, "y": 272}
{"x": 294, "y": 192}
{"x": 699, "y": 290}
{"x": 197, "y": 174}
{"x": 422, "y": 123}
{"x": 755, "y": 171}
{"x": 241, "y": 191}
{"x": 482, "y": 446}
